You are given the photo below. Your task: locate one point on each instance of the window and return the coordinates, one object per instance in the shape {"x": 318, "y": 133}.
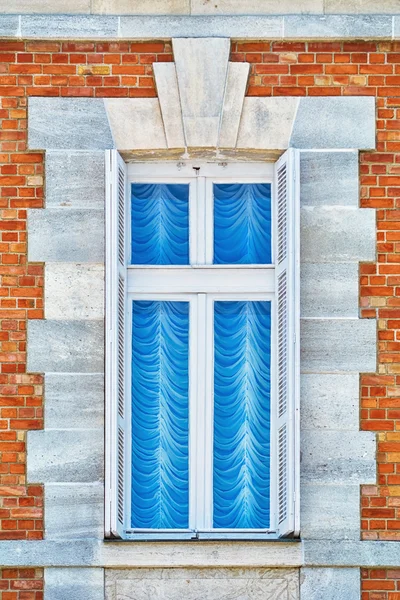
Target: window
{"x": 201, "y": 353}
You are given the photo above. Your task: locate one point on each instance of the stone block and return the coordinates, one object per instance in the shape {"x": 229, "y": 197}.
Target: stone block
{"x": 74, "y": 291}
{"x": 330, "y": 511}
{"x": 379, "y": 7}
{"x": 328, "y": 401}
{"x": 267, "y": 123}
{"x": 74, "y": 584}
{"x": 330, "y": 584}
{"x": 73, "y": 399}
{"x": 82, "y": 508}
{"x": 65, "y": 456}
{"x": 65, "y": 346}
{"x": 241, "y": 27}
{"x": 66, "y": 235}
{"x": 338, "y": 457}
{"x": 91, "y": 552}
{"x": 235, "y": 89}
{"x": 67, "y": 123}
{"x": 257, "y": 7}
{"x": 168, "y": 95}
{"x": 337, "y": 26}
{"x": 9, "y": 23}
{"x": 337, "y": 234}
{"x": 342, "y": 122}
{"x": 47, "y": 6}
{"x": 138, "y": 7}
{"x": 349, "y": 553}
{"x": 396, "y": 28}
{"x": 329, "y": 290}
{"x": 75, "y": 179}
{"x": 332, "y": 345}
{"x": 210, "y": 584}
{"x": 328, "y": 178}
{"x": 127, "y": 117}
{"x": 201, "y": 69}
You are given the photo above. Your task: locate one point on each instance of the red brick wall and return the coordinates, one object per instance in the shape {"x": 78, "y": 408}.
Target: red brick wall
{"x": 125, "y": 70}
{"x": 380, "y": 584}
{"x": 21, "y": 584}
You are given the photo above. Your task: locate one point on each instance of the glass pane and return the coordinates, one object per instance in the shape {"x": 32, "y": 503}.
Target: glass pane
{"x": 160, "y": 224}
{"x": 160, "y": 426}
{"x": 242, "y": 379}
{"x": 242, "y": 223}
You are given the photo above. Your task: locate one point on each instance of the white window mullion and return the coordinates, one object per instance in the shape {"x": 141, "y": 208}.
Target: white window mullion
{"x": 209, "y": 232}
{"x": 193, "y": 217}
{"x": 199, "y": 421}
{"x": 201, "y": 221}
{"x": 209, "y": 412}
{"x": 194, "y": 416}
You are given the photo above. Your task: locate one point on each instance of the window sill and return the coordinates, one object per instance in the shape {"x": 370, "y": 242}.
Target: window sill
{"x": 205, "y": 537}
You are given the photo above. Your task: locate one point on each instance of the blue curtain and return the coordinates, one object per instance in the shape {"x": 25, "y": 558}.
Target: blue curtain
{"x": 242, "y": 356}
{"x": 242, "y": 223}
{"x": 160, "y": 421}
{"x": 160, "y": 224}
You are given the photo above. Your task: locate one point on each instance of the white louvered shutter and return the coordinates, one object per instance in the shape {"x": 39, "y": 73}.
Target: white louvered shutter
{"x": 116, "y": 293}
{"x": 286, "y": 260}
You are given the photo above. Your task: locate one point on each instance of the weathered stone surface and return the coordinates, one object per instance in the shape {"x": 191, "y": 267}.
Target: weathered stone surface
{"x": 76, "y": 584}
{"x": 73, "y": 400}
{"x": 267, "y": 122}
{"x": 201, "y": 68}
{"x": 65, "y": 346}
{"x": 351, "y": 553}
{"x": 328, "y": 178}
{"x": 138, "y": 7}
{"x": 46, "y": 6}
{"x": 168, "y": 554}
{"x": 66, "y": 235}
{"x": 241, "y": 27}
{"x": 186, "y": 554}
{"x": 74, "y": 291}
{"x": 338, "y": 457}
{"x": 136, "y": 123}
{"x": 235, "y": 89}
{"x": 329, "y": 401}
{"x": 339, "y": 26}
{"x": 74, "y": 179}
{"x": 65, "y": 455}
{"x": 342, "y": 122}
{"x": 9, "y": 25}
{"x": 329, "y": 290}
{"x": 67, "y": 123}
{"x": 69, "y": 26}
{"x": 332, "y": 345}
{"x": 208, "y": 584}
{"x": 82, "y": 508}
{"x": 396, "y": 28}
{"x": 330, "y": 511}
{"x": 330, "y": 584}
{"x": 337, "y": 234}
{"x": 168, "y": 95}
{"x": 257, "y": 7}
{"x": 380, "y": 7}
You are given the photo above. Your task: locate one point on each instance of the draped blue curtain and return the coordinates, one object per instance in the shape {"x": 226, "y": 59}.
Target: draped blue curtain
{"x": 160, "y": 422}
{"x": 242, "y": 223}
{"x": 242, "y": 356}
{"x": 160, "y": 224}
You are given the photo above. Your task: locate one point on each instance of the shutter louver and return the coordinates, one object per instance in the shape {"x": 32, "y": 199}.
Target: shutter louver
{"x": 116, "y": 292}
{"x": 287, "y": 335}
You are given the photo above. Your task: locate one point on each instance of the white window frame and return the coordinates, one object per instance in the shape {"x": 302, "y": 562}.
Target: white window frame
{"x": 200, "y": 284}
